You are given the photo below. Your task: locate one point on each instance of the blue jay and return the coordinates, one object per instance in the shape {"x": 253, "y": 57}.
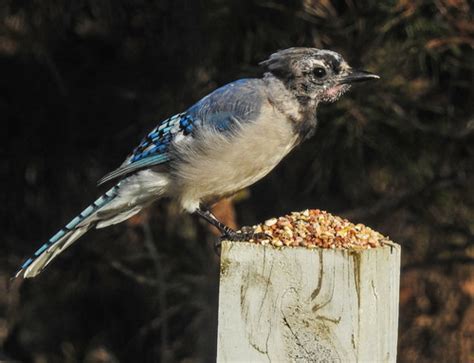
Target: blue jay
{"x": 227, "y": 141}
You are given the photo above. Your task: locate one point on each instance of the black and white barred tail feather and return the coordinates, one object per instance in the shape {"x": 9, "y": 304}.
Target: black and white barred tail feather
{"x": 87, "y": 219}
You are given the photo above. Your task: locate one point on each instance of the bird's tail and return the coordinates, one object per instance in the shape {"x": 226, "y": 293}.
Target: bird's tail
{"x": 105, "y": 211}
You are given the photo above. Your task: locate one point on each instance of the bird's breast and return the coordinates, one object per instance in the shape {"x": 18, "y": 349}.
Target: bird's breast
{"x": 215, "y": 164}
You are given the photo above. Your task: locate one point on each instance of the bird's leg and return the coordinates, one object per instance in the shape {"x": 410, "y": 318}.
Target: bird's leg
{"x": 211, "y": 218}
{"x": 228, "y": 233}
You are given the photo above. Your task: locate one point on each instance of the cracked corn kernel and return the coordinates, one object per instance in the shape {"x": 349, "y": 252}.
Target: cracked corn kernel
{"x": 270, "y": 222}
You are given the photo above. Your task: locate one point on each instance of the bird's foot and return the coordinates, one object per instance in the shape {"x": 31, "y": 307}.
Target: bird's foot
{"x": 245, "y": 234}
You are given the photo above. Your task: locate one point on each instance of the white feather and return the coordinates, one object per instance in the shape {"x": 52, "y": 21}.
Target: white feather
{"x": 47, "y": 256}
{"x": 215, "y": 164}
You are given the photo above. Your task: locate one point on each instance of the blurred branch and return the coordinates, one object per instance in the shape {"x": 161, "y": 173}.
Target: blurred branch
{"x": 389, "y": 204}
{"x": 454, "y": 132}
{"x": 157, "y": 323}
{"x": 161, "y": 288}
{"x": 449, "y": 42}
{"x": 439, "y": 262}
{"x": 138, "y": 278}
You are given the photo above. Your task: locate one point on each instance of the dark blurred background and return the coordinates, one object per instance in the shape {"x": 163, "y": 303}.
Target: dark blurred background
{"x": 82, "y": 81}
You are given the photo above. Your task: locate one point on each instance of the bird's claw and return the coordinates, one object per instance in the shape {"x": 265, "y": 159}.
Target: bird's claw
{"x": 245, "y": 234}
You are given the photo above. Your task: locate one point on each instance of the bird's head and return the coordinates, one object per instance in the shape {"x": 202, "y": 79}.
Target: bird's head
{"x": 313, "y": 74}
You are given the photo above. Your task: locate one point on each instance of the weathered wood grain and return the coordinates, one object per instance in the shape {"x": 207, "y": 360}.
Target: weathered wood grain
{"x": 300, "y": 305}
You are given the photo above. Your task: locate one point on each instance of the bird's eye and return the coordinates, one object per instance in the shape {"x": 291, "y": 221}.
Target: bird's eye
{"x": 319, "y": 72}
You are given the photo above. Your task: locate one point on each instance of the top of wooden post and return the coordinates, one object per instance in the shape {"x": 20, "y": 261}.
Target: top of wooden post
{"x": 332, "y": 298}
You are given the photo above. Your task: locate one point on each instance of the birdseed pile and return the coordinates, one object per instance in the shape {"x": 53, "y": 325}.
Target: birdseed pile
{"x": 315, "y": 228}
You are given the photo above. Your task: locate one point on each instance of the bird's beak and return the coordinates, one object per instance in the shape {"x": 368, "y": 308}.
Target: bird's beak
{"x": 358, "y": 76}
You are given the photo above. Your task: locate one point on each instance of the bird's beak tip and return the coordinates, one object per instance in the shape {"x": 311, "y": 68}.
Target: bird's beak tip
{"x": 359, "y": 76}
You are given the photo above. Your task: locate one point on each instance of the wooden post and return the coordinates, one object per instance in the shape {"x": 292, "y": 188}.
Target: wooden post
{"x": 301, "y": 305}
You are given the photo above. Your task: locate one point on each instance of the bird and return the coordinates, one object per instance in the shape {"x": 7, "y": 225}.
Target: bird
{"x": 222, "y": 144}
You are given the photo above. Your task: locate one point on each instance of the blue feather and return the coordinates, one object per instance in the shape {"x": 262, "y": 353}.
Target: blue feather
{"x": 154, "y": 148}
{"x": 226, "y": 106}
{"x": 73, "y": 224}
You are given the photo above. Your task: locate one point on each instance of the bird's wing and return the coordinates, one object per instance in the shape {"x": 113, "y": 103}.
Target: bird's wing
{"x": 238, "y": 102}
{"x": 235, "y": 103}
{"x": 154, "y": 148}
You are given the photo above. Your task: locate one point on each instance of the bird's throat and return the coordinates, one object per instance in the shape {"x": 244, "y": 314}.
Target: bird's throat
{"x": 333, "y": 93}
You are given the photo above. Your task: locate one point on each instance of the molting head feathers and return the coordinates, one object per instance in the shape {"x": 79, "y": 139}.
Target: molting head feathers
{"x": 314, "y": 74}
